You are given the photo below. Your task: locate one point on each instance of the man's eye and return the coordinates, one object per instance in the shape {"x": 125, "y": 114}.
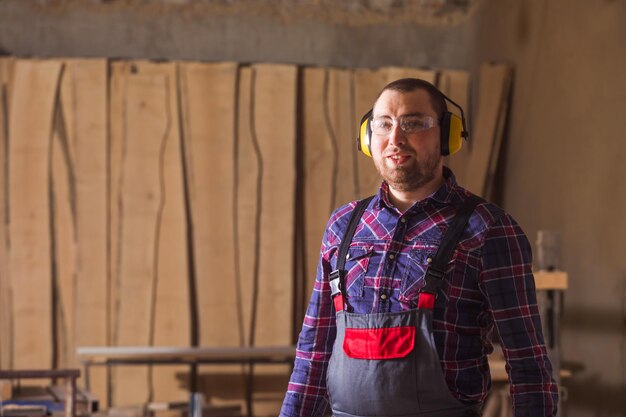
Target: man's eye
{"x": 383, "y": 124}
{"x": 413, "y": 125}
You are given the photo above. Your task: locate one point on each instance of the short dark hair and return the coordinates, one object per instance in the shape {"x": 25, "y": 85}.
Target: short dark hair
{"x": 407, "y": 85}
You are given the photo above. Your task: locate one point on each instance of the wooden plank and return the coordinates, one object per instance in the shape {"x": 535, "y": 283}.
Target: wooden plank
{"x": 320, "y": 163}
{"x": 208, "y": 104}
{"x": 491, "y": 93}
{"x": 171, "y": 324}
{"x": 553, "y": 280}
{"x": 6, "y": 75}
{"x": 498, "y": 135}
{"x": 247, "y": 208}
{"x": 266, "y": 160}
{"x": 84, "y": 112}
{"x": 63, "y": 210}
{"x": 143, "y": 354}
{"x": 395, "y": 73}
{"x": 341, "y": 115}
{"x": 329, "y": 160}
{"x": 118, "y": 80}
{"x": 35, "y": 86}
{"x": 274, "y": 122}
{"x": 228, "y": 386}
{"x": 248, "y": 192}
{"x": 455, "y": 84}
{"x": 367, "y": 86}
{"x": 145, "y": 121}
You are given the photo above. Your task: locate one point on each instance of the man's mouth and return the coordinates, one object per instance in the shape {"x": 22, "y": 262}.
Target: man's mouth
{"x": 398, "y": 159}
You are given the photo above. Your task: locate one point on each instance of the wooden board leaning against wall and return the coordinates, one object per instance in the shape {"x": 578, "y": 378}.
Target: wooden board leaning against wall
{"x": 6, "y": 75}
{"x": 208, "y": 114}
{"x": 146, "y": 151}
{"x": 247, "y": 221}
{"x": 34, "y": 92}
{"x": 79, "y": 206}
{"x": 139, "y": 199}
{"x": 493, "y": 94}
{"x": 170, "y": 321}
{"x": 329, "y": 163}
{"x": 273, "y": 91}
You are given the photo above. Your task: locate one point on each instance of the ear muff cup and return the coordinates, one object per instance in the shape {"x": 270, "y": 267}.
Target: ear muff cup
{"x": 451, "y": 130}
{"x": 364, "y": 140}
{"x": 450, "y": 126}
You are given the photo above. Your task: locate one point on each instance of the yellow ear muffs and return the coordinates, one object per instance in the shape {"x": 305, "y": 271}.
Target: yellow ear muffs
{"x": 364, "y": 140}
{"x": 451, "y": 129}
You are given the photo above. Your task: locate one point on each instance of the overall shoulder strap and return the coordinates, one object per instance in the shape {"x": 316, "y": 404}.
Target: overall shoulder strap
{"x": 337, "y": 276}
{"x": 437, "y": 268}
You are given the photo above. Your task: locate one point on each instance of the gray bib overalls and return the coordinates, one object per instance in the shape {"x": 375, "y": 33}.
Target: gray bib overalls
{"x": 386, "y": 364}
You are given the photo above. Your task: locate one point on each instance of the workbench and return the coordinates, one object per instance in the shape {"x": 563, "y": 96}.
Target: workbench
{"x": 553, "y": 283}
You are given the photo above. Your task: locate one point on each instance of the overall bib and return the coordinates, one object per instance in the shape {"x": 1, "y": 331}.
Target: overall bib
{"x": 386, "y": 364}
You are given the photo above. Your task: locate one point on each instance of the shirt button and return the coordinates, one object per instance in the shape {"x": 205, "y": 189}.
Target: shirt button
{"x": 403, "y": 220}
{"x": 429, "y": 260}
{"x": 383, "y": 296}
{"x": 348, "y": 256}
{"x": 391, "y": 256}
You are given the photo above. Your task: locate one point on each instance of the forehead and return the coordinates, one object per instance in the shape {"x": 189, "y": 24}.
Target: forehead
{"x": 397, "y": 103}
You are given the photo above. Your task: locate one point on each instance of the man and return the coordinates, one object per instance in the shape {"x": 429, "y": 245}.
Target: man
{"x": 402, "y": 324}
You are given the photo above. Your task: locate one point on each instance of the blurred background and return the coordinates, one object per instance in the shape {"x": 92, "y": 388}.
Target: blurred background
{"x": 168, "y": 167}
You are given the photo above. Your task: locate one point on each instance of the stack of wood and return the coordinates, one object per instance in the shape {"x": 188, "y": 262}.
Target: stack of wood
{"x": 151, "y": 204}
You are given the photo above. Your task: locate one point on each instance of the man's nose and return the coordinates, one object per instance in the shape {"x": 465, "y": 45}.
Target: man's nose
{"x": 396, "y": 136}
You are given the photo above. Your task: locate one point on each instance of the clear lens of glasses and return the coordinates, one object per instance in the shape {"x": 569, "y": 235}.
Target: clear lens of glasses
{"x": 409, "y": 124}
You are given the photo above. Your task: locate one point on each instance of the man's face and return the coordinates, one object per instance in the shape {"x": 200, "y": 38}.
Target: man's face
{"x": 406, "y": 161}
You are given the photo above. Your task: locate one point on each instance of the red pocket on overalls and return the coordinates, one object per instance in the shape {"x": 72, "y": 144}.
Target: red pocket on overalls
{"x": 382, "y": 343}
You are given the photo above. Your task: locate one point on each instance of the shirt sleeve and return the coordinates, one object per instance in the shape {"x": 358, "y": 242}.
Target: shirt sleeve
{"x": 306, "y": 393}
{"x": 508, "y": 285}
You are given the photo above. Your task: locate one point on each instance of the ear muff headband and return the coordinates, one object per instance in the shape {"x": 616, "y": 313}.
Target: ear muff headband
{"x": 452, "y": 131}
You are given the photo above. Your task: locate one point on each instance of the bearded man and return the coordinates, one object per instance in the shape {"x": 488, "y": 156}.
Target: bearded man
{"x": 412, "y": 282}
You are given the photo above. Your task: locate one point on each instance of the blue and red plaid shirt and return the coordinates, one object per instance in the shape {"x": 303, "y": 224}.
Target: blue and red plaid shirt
{"x": 488, "y": 283}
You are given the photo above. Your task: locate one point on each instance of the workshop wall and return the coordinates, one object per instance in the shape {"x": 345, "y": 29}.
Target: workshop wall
{"x": 562, "y": 158}
{"x": 563, "y": 168}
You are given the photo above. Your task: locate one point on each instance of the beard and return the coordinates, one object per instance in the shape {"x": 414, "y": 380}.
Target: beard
{"x": 411, "y": 176}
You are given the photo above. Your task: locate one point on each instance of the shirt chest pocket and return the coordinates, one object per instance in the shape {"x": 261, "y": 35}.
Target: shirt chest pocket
{"x": 416, "y": 264}
{"x": 357, "y": 262}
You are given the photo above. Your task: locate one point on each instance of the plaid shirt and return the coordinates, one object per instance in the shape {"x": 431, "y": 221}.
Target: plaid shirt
{"x": 488, "y": 283}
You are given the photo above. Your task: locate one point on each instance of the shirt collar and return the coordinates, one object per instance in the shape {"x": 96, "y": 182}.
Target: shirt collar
{"x": 444, "y": 194}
